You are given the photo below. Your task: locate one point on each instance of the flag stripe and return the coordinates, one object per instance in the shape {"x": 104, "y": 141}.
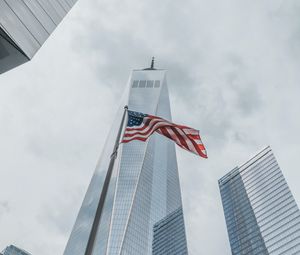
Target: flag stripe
{"x": 187, "y": 140}
{"x": 181, "y": 139}
{"x": 200, "y": 152}
{"x": 173, "y": 136}
{"x": 152, "y": 126}
{"x": 164, "y": 131}
{"x": 136, "y": 138}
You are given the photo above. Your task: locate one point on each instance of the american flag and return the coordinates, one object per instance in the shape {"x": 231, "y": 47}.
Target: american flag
{"x": 140, "y": 126}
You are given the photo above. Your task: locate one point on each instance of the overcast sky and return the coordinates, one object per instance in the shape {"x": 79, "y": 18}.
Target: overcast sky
{"x": 233, "y": 73}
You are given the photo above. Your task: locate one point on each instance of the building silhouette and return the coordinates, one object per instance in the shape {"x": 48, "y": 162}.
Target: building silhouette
{"x": 13, "y": 250}
{"x": 144, "y": 187}
{"x": 25, "y": 26}
{"x": 261, "y": 214}
{"x": 169, "y": 235}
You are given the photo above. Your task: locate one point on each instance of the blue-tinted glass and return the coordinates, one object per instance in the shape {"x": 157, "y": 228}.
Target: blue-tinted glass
{"x": 13, "y": 250}
{"x": 261, "y": 214}
{"x": 169, "y": 235}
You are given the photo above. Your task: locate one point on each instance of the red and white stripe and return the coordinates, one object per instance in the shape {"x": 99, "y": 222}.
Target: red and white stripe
{"x": 186, "y": 137}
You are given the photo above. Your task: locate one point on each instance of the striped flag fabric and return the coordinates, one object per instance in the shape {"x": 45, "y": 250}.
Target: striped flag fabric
{"x": 140, "y": 126}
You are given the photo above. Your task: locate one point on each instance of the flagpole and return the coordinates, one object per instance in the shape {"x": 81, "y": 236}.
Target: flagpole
{"x": 94, "y": 230}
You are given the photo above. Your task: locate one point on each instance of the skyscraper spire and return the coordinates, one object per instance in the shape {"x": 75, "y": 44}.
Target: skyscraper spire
{"x": 152, "y": 63}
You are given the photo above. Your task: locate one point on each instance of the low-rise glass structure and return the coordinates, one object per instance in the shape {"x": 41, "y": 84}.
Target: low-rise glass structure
{"x": 169, "y": 235}
{"x": 13, "y": 250}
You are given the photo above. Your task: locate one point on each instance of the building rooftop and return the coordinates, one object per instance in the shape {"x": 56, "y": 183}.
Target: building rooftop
{"x": 13, "y": 250}
{"x": 235, "y": 171}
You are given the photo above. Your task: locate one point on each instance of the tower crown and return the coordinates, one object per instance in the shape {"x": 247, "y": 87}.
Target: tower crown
{"x": 152, "y": 65}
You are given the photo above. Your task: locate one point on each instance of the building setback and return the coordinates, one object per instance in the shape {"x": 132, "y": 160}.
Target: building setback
{"x": 261, "y": 214}
{"x": 169, "y": 235}
{"x": 25, "y": 26}
{"x": 144, "y": 187}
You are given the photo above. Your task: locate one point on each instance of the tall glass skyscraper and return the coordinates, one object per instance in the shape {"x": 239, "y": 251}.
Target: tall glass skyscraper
{"x": 25, "y": 26}
{"x": 261, "y": 214}
{"x": 13, "y": 250}
{"x": 144, "y": 187}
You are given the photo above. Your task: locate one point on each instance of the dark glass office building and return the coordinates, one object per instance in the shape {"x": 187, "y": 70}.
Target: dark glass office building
{"x": 169, "y": 235}
{"x": 261, "y": 214}
{"x": 13, "y": 250}
{"x": 25, "y": 26}
{"x": 144, "y": 187}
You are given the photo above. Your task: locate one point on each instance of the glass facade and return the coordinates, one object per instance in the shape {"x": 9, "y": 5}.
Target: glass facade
{"x": 25, "y": 26}
{"x": 13, "y": 250}
{"x": 168, "y": 235}
{"x": 261, "y": 214}
{"x": 144, "y": 187}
